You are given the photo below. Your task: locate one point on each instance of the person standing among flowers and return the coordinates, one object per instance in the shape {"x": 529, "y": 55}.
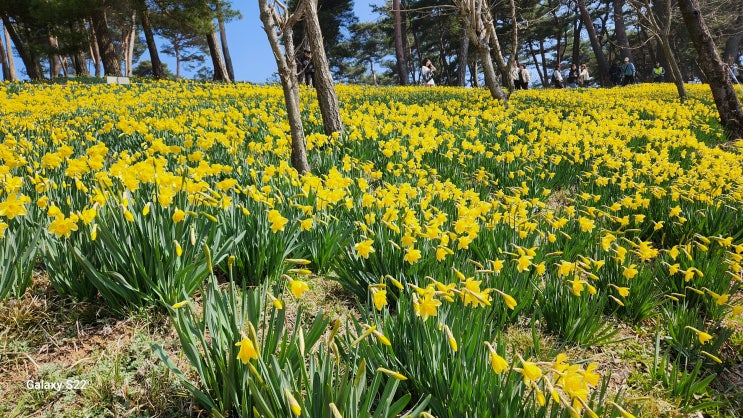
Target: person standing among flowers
{"x": 524, "y": 77}
{"x": 628, "y": 72}
{"x": 427, "y": 74}
{"x": 573, "y": 76}
{"x": 583, "y": 77}
{"x": 307, "y": 68}
{"x": 557, "y": 78}
{"x": 658, "y": 73}
{"x": 514, "y": 72}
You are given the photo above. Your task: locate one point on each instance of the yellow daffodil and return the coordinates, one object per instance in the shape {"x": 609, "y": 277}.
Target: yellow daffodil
{"x": 247, "y": 351}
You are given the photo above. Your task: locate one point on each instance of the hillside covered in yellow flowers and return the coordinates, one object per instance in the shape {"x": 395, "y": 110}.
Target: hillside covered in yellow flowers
{"x": 588, "y": 216}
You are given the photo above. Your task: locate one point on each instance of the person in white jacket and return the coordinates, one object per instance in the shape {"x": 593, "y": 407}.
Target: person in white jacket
{"x": 514, "y": 74}
{"x": 557, "y": 78}
{"x": 427, "y": 74}
{"x": 524, "y": 77}
{"x": 584, "y": 79}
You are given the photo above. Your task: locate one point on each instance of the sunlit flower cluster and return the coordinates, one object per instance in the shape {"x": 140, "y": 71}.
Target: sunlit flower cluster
{"x": 443, "y": 198}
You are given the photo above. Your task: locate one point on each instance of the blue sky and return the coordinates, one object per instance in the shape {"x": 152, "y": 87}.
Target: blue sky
{"x": 251, "y": 55}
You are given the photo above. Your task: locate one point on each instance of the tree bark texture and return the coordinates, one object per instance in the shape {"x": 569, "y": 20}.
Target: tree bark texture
{"x": 464, "y": 46}
{"x": 9, "y": 55}
{"x": 287, "y": 66}
{"x": 620, "y": 28}
{"x": 598, "y": 52}
{"x": 149, "y": 36}
{"x": 29, "y": 58}
{"x": 106, "y": 47}
{"x": 402, "y": 66}
{"x": 95, "y": 53}
{"x": 55, "y": 63}
{"x": 479, "y": 25}
{"x": 4, "y": 60}
{"x": 220, "y": 69}
{"x": 223, "y": 40}
{"x": 326, "y": 96}
{"x": 726, "y": 100}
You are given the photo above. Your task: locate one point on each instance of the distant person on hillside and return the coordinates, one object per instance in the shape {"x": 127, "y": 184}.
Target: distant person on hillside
{"x": 427, "y": 74}
{"x": 557, "y": 78}
{"x": 659, "y": 73}
{"x": 524, "y": 77}
{"x": 514, "y": 72}
{"x": 628, "y": 72}
{"x": 584, "y": 79}
{"x": 573, "y": 76}
{"x": 306, "y": 67}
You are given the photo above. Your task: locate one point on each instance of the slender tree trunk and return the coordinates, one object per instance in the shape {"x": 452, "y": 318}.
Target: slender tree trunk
{"x": 620, "y": 28}
{"x": 95, "y": 53}
{"x": 474, "y": 82}
{"x": 106, "y": 47}
{"x": 55, "y": 63}
{"x": 326, "y": 97}
{"x": 79, "y": 65}
{"x": 728, "y": 105}
{"x": 149, "y": 36}
{"x": 220, "y": 70}
{"x": 464, "y": 46}
{"x": 373, "y": 72}
{"x": 30, "y": 60}
{"x": 402, "y": 67}
{"x": 514, "y": 43}
{"x": 287, "y": 66}
{"x": 177, "y": 53}
{"x": 4, "y": 60}
{"x": 533, "y": 54}
{"x": 598, "y": 52}
{"x": 223, "y": 41}
{"x": 132, "y": 34}
{"x": 479, "y": 25}
{"x": 577, "y": 28}
{"x": 9, "y": 55}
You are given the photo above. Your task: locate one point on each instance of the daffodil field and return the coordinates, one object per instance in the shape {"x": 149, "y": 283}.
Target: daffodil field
{"x": 446, "y": 219}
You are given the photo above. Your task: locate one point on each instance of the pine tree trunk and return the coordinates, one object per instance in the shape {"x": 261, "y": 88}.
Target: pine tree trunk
{"x": 726, "y": 100}
{"x": 131, "y": 35}
{"x": 106, "y": 47}
{"x": 464, "y": 46}
{"x": 144, "y": 17}
{"x": 620, "y": 29}
{"x": 220, "y": 70}
{"x": 660, "y": 23}
{"x": 55, "y": 63}
{"x": 94, "y": 51}
{"x": 29, "y": 58}
{"x": 223, "y": 41}
{"x": 326, "y": 97}
{"x": 491, "y": 79}
{"x": 9, "y": 55}
{"x": 287, "y": 66}
{"x": 577, "y": 28}
{"x": 402, "y": 66}
{"x": 79, "y": 65}
{"x": 4, "y": 60}
{"x": 479, "y": 26}
{"x": 598, "y": 52}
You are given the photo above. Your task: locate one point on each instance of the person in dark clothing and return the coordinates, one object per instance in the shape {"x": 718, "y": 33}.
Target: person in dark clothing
{"x": 306, "y": 68}
{"x": 573, "y": 76}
